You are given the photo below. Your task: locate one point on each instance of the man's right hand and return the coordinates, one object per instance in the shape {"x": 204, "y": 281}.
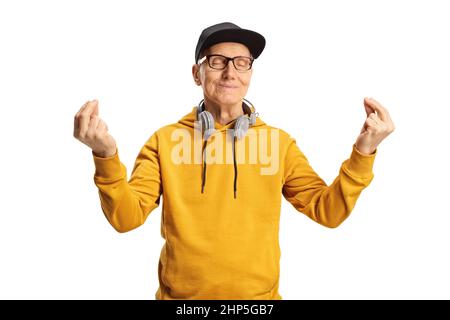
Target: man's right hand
{"x": 93, "y": 131}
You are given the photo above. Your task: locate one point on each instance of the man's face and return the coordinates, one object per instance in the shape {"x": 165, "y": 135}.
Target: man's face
{"x": 225, "y": 87}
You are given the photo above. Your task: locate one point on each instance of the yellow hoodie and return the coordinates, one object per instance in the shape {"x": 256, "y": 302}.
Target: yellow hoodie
{"x": 219, "y": 246}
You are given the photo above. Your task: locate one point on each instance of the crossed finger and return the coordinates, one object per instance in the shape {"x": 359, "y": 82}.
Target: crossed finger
{"x": 76, "y": 123}
{"x": 382, "y": 112}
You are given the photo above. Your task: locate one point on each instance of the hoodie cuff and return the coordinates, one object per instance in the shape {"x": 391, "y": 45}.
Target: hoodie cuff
{"x": 360, "y": 164}
{"x": 107, "y": 168}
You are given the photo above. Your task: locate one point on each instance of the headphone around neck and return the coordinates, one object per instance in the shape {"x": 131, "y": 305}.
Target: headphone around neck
{"x": 240, "y": 127}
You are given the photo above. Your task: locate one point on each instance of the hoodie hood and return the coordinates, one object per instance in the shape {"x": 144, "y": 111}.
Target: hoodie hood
{"x": 189, "y": 121}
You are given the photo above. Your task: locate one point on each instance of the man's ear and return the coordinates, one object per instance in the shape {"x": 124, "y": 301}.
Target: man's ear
{"x": 195, "y": 71}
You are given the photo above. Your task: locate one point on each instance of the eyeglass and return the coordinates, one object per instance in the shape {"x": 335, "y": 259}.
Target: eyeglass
{"x": 220, "y": 62}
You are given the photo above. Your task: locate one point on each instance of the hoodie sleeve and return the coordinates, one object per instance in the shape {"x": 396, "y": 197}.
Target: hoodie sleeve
{"x": 127, "y": 204}
{"x": 309, "y": 194}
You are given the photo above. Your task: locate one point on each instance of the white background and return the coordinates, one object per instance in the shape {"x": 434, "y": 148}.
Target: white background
{"x": 135, "y": 57}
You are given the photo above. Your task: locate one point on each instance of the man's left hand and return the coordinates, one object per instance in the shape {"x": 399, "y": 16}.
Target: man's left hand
{"x": 377, "y": 126}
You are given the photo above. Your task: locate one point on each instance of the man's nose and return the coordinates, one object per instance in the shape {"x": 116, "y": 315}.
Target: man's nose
{"x": 229, "y": 69}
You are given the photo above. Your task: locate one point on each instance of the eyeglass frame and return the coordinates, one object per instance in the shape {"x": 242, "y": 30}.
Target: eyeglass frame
{"x": 228, "y": 61}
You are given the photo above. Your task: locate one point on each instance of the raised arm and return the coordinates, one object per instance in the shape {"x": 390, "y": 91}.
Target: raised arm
{"x": 309, "y": 194}
{"x": 126, "y": 204}
{"x": 330, "y": 205}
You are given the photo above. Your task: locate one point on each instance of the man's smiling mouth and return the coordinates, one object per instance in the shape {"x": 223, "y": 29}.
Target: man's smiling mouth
{"x": 227, "y": 86}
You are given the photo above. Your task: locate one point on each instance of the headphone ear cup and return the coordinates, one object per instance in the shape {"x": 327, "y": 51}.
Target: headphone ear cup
{"x": 253, "y": 118}
{"x": 247, "y": 106}
{"x": 207, "y": 124}
{"x": 241, "y": 126}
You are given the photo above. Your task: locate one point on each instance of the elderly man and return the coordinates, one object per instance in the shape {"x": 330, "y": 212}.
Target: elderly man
{"x": 221, "y": 186}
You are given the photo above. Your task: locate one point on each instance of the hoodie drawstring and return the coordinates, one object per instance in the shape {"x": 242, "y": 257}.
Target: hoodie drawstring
{"x": 235, "y": 167}
{"x": 204, "y": 165}
{"x": 234, "y": 163}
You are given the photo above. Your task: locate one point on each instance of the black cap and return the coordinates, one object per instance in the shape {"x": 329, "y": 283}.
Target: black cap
{"x": 229, "y": 32}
